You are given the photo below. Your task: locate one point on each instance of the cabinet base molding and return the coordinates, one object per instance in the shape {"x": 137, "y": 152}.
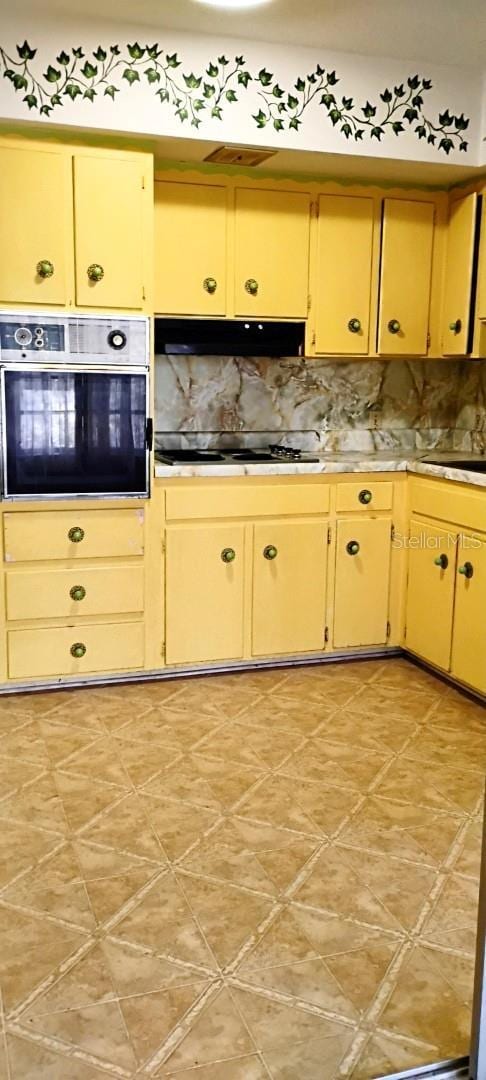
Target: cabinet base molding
{"x": 476, "y": 695}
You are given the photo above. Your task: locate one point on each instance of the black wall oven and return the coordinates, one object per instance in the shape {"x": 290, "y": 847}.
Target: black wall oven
{"x": 75, "y": 403}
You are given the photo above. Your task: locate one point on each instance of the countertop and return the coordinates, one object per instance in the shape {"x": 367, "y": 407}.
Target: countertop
{"x": 329, "y": 463}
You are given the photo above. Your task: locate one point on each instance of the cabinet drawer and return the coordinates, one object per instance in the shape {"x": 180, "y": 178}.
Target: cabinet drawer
{"x": 363, "y": 495}
{"x": 72, "y": 534}
{"x": 189, "y": 504}
{"x": 449, "y": 501}
{"x": 54, "y": 594}
{"x": 34, "y": 654}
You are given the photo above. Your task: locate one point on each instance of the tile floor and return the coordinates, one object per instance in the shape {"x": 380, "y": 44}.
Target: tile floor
{"x": 241, "y": 877}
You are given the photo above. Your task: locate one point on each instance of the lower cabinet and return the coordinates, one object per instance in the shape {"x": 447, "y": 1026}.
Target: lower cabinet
{"x": 362, "y": 582}
{"x": 430, "y": 593}
{"x": 75, "y": 650}
{"x": 289, "y": 587}
{"x": 469, "y": 632}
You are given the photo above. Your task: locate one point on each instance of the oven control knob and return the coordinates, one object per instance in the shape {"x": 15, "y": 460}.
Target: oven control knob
{"x": 23, "y": 336}
{"x": 117, "y": 339}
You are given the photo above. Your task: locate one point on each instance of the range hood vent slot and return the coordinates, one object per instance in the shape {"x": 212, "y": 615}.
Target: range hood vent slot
{"x": 239, "y": 155}
{"x": 229, "y": 337}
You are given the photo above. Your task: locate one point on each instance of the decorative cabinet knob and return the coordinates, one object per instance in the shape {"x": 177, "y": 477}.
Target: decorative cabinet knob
{"x": 251, "y": 286}
{"x": 442, "y": 561}
{"x": 228, "y": 555}
{"x": 76, "y": 534}
{"x": 456, "y": 326}
{"x": 365, "y": 496}
{"x": 270, "y": 552}
{"x": 352, "y": 547}
{"x": 45, "y": 268}
{"x": 467, "y": 570}
{"x": 210, "y": 285}
{"x": 394, "y": 326}
{"x": 354, "y": 326}
{"x": 78, "y": 650}
{"x": 95, "y": 272}
{"x": 78, "y": 592}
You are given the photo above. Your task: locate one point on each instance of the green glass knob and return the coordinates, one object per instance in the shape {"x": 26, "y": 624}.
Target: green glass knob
{"x": 78, "y": 650}
{"x": 394, "y": 326}
{"x": 352, "y": 547}
{"x": 456, "y": 326}
{"x": 365, "y": 496}
{"x": 78, "y": 592}
{"x": 251, "y": 286}
{"x": 95, "y": 272}
{"x": 210, "y": 285}
{"x": 270, "y": 552}
{"x": 441, "y": 561}
{"x": 228, "y": 555}
{"x": 76, "y": 534}
{"x": 467, "y": 570}
{"x": 45, "y": 268}
{"x": 354, "y": 326}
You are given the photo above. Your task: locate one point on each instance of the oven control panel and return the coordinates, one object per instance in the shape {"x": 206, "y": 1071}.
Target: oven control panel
{"x": 74, "y": 339}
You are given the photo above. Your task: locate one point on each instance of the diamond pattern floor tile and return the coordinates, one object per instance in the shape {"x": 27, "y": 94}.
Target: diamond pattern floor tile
{"x": 402, "y": 829}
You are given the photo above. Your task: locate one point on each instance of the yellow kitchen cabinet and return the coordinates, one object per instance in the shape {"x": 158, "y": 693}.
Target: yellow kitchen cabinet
{"x": 59, "y": 593}
{"x": 190, "y": 249}
{"x": 430, "y": 593}
{"x": 341, "y": 290}
{"x": 109, "y": 220}
{"x": 204, "y": 593}
{"x": 458, "y": 284}
{"x": 271, "y": 268}
{"x": 469, "y": 631}
{"x": 405, "y": 277}
{"x": 362, "y": 582}
{"x": 35, "y": 225}
{"x": 74, "y": 534}
{"x": 289, "y": 587}
{"x": 75, "y": 650}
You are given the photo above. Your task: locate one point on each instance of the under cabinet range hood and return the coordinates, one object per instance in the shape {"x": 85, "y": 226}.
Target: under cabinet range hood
{"x": 229, "y": 337}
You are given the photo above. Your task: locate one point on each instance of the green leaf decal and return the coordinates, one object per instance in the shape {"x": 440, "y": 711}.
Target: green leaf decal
{"x": 230, "y": 95}
{"x": 100, "y": 54}
{"x": 173, "y": 61}
{"x": 19, "y": 81}
{"x": 265, "y": 77}
{"x": 72, "y": 90}
{"x": 131, "y": 76}
{"x": 110, "y": 91}
{"x": 89, "y": 70}
{"x": 192, "y": 81}
{"x": 31, "y": 100}
{"x": 90, "y": 93}
{"x": 63, "y": 58}
{"x": 369, "y": 110}
{"x": 26, "y": 53}
{"x": 260, "y": 119}
{"x": 78, "y": 53}
{"x": 52, "y": 74}
{"x": 152, "y": 75}
{"x": 135, "y": 51}
{"x": 212, "y": 71}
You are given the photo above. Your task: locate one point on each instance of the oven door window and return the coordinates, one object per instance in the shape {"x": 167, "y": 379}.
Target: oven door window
{"x": 75, "y": 433}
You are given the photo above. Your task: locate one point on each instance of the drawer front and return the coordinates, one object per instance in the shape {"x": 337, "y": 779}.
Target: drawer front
{"x": 55, "y": 594}
{"x": 36, "y": 654}
{"x": 72, "y": 534}
{"x": 449, "y": 501}
{"x": 364, "y": 496}
{"x": 186, "y": 504}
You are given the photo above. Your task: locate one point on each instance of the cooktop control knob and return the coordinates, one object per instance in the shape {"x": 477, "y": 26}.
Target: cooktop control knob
{"x": 117, "y": 339}
{"x": 23, "y": 336}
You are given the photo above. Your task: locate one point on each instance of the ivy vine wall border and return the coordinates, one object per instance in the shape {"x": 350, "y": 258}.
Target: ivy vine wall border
{"x": 109, "y": 71}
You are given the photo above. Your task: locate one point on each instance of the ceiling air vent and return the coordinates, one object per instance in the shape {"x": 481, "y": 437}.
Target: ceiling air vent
{"x": 239, "y": 155}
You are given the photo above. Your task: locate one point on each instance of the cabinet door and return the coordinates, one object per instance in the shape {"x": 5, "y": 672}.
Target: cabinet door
{"x": 430, "y": 592}
{"x": 342, "y": 290}
{"x": 204, "y": 593}
{"x": 361, "y": 599}
{"x": 109, "y": 230}
{"x": 469, "y": 634}
{"x": 35, "y": 212}
{"x": 459, "y": 274}
{"x": 190, "y": 249}
{"x": 271, "y": 253}
{"x": 405, "y": 279}
{"x": 289, "y": 587}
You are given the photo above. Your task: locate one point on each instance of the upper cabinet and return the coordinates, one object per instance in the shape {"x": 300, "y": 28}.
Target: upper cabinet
{"x": 342, "y": 283}
{"x": 459, "y": 272}
{"x": 405, "y": 277}
{"x": 271, "y": 266}
{"x": 190, "y": 248}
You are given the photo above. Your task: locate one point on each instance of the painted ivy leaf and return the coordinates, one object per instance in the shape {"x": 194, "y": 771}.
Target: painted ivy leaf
{"x": 131, "y": 76}
{"x": 239, "y": 61}
{"x": 244, "y": 78}
{"x": 72, "y": 90}
{"x": 114, "y": 49}
{"x": 78, "y": 53}
{"x": 359, "y": 134}
{"x": 410, "y": 115}
{"x": 89, "y": 70}
{"x": 192, "y": 81}
{"x": 265, "y": 77}
{"x": 195, "y": 122}
{"x": 217, "y": 112}
{"x": 347, "y": 102}
{"x": 386, "y": 96}
{"x": 198, "y": 104}
{"x": 260, "y": 119}
{"x": 45, "y": 110}
{"x": 135, "y": 51}
{"x": 445, "y": 118}
{"x": 427, "y": 84}
{"x": 369, "y": 110}
{"x": 231, "y": 96}
{"x": 31, "y": 100}
{"x": 278, "y": 124}
{"x": 9, "y": 74}
{"x": 413, "y": 82}
{"x": 431, "y": 138}
{"x": 173, "y": 60}
{"x": 335, "y": 116}
{"x": 90, "y": 93}
{"x": 110, "y": 91}
{"x": 63, "y": 58}
{"x": 163, "y": 95}
{"x": 153, "y": 51}
{"x": 376, "y": 133}
{"x": 223, "y": 61}
{"x": 295, "y": 123}
{"x": 399, "y": 90}
{"x": 56, "y": 99}
{"x": 397, "y": 127}
{"x": 212, "y": 71}
{"x": 312, "y": 78}
{"x": 418, "y": 101}
{"x": 25, "y": 52}
{"x": 421, "y": 131}
{"x": 332, "y": 78}
{"x": 19, "y": 81}
{"x": 209, "y": 90}
{"x": 52, "y": 74}
{"x": 328, "y": 100}
{"x": 152, "y": 75}
{"x": 346, "y": 130}
{"x": 300, "y": 85}
{"x": 292, "y": 101}
{"x": 446, "y": 144}
{"x": 282, "y": 107}
{"x": 463, "y": 145}
{"x": 100, "y": 54}
{"x": 277, "y": 91}
{"x": 461, "y": 123}
{"x": 182, "y": 114}
{"x": 320, "y": 71}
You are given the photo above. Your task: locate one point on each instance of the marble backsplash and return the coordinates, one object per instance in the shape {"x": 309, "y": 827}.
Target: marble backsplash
{"x": 328, "y": 405}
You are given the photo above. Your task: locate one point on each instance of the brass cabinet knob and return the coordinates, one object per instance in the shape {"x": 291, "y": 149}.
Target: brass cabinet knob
{"x": 270, "y": 552}
{"x": 78, "y": 592}
{"x": 95, "y": 272}
{"x": 251, "y": 286}
{"x": 394, "y": 326}
{"x": 45, "y": 268}
{"x": 210, "y": 285}
{"x": 352, "y": 547}
{"x": 354, "y": 326}
{"x": 442, "y": 561}
{"x": 78, "y": 650}
{"x": 76, "y": 534}
{"x": 456, "y": 326}
{"x": 228, "y": 555}
{"x": 365, "y": 496}
{"x": 467, "y": 570}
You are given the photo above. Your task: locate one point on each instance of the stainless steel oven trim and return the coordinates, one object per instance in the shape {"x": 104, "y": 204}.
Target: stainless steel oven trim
{"x": 94, "y": 369}
{"x": 64, "y": 316}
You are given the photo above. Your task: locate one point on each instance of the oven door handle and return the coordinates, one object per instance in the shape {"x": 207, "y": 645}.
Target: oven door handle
{"x": 149, "y": 433}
